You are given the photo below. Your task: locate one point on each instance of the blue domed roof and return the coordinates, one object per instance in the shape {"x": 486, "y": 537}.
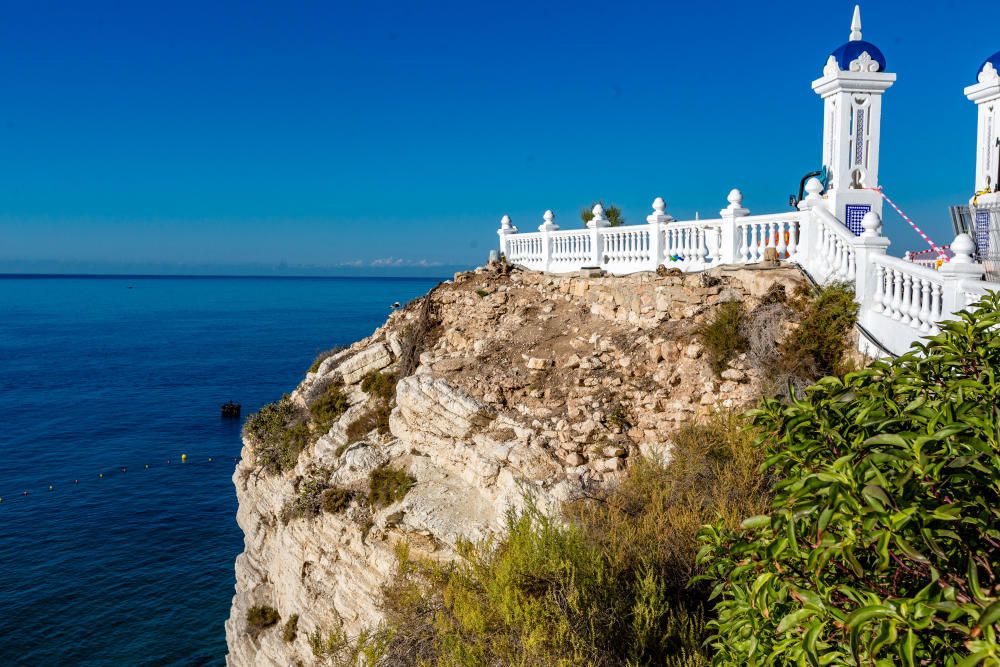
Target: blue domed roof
{"x": 994, "y": 59}
{"x": 848, "y": 52}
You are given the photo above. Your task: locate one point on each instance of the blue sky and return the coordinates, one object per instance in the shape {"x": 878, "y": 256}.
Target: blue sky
{"x": 358, "y": 135}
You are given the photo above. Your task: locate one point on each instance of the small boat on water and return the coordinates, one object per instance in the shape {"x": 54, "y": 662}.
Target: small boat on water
{"x": 230, "y": 410}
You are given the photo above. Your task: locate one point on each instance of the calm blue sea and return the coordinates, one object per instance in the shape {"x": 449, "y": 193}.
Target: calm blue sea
{"x": 102, "y": 375}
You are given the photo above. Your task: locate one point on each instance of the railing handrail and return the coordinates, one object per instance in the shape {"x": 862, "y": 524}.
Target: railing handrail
{"x": 907, "y": 267}
{"x": 834, "y": 223}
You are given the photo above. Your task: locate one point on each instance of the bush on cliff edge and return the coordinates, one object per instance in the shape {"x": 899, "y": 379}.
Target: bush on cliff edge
{"x": 883, "y": 546}
{"x": 607, "y": 587}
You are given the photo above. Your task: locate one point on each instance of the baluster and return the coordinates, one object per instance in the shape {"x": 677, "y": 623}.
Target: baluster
{"x": 850, "y": 264}
{"x": 925, "y": 305}
{"x": 754, "y": 247}
{"x": 897, "y": 293}
{"x": 782, "y": 246}
{"x": 793, "y": 240}
{"x": 743, "y": 243}
{"x": 769, "y": 229}
{"x": 879, "y": 294}
{"x": 904, "y": 306}
{"x": 824, "y": 237}
{"x": 935, "y": 308}
{"x": 915, "y": 304}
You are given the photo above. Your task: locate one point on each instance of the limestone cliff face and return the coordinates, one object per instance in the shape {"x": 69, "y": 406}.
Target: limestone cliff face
{"x": 529, "y": 386}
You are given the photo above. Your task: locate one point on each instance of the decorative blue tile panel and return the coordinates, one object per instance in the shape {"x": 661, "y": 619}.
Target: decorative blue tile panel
{"x": 859, "y": 137}
{"x": 983, "y": 232}
{"x": 855, "y": 213}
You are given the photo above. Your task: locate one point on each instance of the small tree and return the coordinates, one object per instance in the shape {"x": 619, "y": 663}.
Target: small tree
{"x": 611, "y": 212}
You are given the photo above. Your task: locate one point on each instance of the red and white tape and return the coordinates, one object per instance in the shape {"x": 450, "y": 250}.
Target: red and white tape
{"x": 926, "y": 238}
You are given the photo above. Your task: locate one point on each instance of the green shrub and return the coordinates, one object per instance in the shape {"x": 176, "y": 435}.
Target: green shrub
{"x": 277, "y": 434}
{"x": 328, "y": 408}
{"x": 723, "y": 336}
{"x": 290, "y": 631}
{"x": 261, "y": 617}
{"x": 883, "y": 543}
{"x": 542, "y": 594}
{"x": 375, "y": 418}
{"x": 380, "y": 385}
{"x": 609, "y": 586}
{"x": 323, "y": 356}
{"x": 308, "y": 501}
{"x": 388, "y": 485}
{"x": 611, "y": 212}
{"x": 483, "y": 292}
{"x": 335, "y": 500}
{"x": 817, "y": 347}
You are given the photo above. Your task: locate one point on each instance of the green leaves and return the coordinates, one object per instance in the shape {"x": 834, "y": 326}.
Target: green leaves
{"x": 883, "y": 546}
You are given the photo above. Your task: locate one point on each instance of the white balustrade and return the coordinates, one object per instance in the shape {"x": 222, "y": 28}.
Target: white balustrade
{"x": 899, "y": 301}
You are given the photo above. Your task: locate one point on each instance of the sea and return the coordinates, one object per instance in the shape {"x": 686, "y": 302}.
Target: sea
{"x": 117, "y": 507}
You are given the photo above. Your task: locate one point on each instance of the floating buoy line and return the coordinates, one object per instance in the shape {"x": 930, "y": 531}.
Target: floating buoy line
{"x": 45, "y": 489}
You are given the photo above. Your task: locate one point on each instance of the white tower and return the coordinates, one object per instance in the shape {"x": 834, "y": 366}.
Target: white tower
{"x": 986, "y": 95}
{"x": 851, "y": 88}
{"x": 985, "y": 202}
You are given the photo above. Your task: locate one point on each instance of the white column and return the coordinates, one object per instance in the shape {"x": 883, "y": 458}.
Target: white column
{"x": 596, "y": 240}
{"x": 866, "y": 246}
{"x": 506, "y": 229}
{"x": 657, "y": 221}
{"x": 731, "y": 243}
{"x": 546, "y": 228}
{"x": 961, "y": 267}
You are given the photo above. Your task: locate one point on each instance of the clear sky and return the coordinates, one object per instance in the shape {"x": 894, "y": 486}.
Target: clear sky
{"x": 172, "y": 136}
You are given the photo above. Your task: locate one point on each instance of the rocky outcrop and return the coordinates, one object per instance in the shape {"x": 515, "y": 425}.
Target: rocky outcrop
{"x": 527, "y": 388}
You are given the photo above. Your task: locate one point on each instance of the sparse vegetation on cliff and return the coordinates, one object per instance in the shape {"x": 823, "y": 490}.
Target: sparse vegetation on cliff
{"x": 882, "y": 546}
{"x": 277, "y": 433}
{"x": 323, "y": 356}
{"x": 387, "y": 485}
{"x": 261, "y": 617}
{"x": 723, "y": 335}
{"x": 380, "y": 385}
{"x": 328, "y": 408}
{"x": 610, "y": 587}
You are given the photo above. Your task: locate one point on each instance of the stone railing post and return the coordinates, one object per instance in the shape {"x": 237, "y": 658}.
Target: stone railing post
{"x": 729, "y": 244}
{"x": 869, "y": 244}
{"x": 546, "y": 228}
{"x": 806, "y": 254}
{"x": 506, "y": 229}
{"x": 595, "y": 225}
{"x": 657, "y": 219}
{"x": 961, "y": 267}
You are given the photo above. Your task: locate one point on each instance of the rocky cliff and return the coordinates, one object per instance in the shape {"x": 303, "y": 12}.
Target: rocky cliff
{"x": 511, "y": 385}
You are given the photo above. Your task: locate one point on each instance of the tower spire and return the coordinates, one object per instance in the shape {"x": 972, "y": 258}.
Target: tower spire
{"x": 856, "y": 24}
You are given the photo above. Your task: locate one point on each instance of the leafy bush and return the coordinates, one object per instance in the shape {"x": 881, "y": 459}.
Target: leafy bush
{"x": 723, "y": 336}
{"x": 375, "y": 418}
{"x": 328, "y": 408}
{"x": 387, "y": 485}
{"x": 483, "y": 292}
{"x": 883, "y": 543}
{"x": 611, "y": 212}
{"x": 380, "y": 385}
{"x": 335, "y": 499}
{"x": 277, "y": 433}
{"x": 261, "y": 617}
{"x": 290, "y": 631}
{"x": 308, "y": 502}
{"x": 323, "y": 356}
{"x": 817, "y": 347}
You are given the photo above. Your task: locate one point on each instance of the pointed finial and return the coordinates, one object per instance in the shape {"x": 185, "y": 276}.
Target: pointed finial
{"x": 856, "y": 24}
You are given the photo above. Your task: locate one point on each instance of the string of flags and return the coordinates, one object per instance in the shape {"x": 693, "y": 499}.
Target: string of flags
{"x": 9, "y": 498}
